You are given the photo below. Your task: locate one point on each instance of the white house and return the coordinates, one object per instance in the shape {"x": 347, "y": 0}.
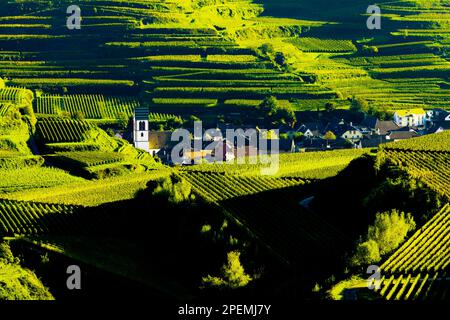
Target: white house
{"x": 347, "y": 131}
{"x": 352, "y": 134}
{"x": 410, "y": 117}
{"x": 141, "y": 129}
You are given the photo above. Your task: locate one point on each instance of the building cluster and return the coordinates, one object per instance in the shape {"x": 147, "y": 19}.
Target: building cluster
{"x": 310, "y": 136}
{"x": 370, "y": 132}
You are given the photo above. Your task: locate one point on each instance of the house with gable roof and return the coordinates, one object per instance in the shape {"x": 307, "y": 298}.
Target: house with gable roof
{"x": 410, "y": 117}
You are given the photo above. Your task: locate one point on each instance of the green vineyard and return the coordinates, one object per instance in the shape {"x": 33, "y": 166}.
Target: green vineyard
{"x": 162, "y": 117}
{"x": 90, "y": 106}
{"x": 324, "y": 45}
{"x": 419, "y": 268}
{"x": 432, "y": 142}
{"x": 16, "y": 95}
{"x": 228, "y": 186}
{"x": 62, "y": 130}
{"x": 424, "y": 165}
{"x": 89, "y": 159}
{"x": 427, "y": 250}
{"x": 4, "y": 109}
{"x": 35, "y": 177}
{"x": 18, "y": 217}
{"x": 308, "y": 165}
{"x": 290, "y": 232}
{"x": 90, "y": 193}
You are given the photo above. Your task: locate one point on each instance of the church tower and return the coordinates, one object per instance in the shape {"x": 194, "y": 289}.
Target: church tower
{"x": 141, "y": 128}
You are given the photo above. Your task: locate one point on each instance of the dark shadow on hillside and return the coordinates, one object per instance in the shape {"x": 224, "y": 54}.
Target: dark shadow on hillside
{"x": 294, "y": 234}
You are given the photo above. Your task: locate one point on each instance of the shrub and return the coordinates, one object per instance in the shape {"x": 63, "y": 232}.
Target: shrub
{"x": 359, "y": 105}
{"x": 233, "y": 274}
{"x": 387, "y": 233}
{"x": 280, "y": 59}
{"x": 330, "y": 106}
{"x": 78, "y": 115}
{"x": 6, "y": 254}
{"x": 275, "y": 113}
{"x": 390, "y": 229}
{"x": 366, "y": 253}
{"x": 266, "y": 49}
{"x": 172, "y": 189}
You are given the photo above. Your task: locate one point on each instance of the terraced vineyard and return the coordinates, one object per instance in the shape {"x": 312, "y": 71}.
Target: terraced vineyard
{"x": 433, "y": 142}
{"x": 16, "y": 95}
{"x": 90, "y": 159}
{"x": 90, "y": 193}
{"x": 171, "y": 57}
{"x": 252, "y": 202}
{"x": 17, "y": 217}
{"x": 90, "y": 106}
{"x": 309, "y": 165}
{"x": 180, "y": 60}
{"x": 162, "y": 117}
{"x": 219, "y": 59}
{"x": 419, "y": 268}
{"x": 324, "y": 45}
{"x": 423, "y": 165}
{"x": 33, "y": 178}
{"x": 403, "y": 65}
{"x": 62, "y": 130}
{"x": 4, "y": 109}
{"x": 425, "y": 158}
{"x": 227, "y": 187}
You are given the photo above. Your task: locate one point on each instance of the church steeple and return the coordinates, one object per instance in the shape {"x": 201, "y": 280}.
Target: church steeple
{"x": 141, "y": 128}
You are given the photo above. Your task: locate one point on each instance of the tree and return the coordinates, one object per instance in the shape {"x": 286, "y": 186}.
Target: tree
{"x": 123, "y": 120}
{"x": 280, "y": 59}
{"x": 367, "y": 253}
{"x": 172, "y": 189}
{"x": 330, "y": 106}
{"x": 390, "y": 229}
{"x": 266, "y": 48}
{"x": 369, "y": 49}
{"x": 329, "y": 136}
{"x": 221, "y": 118}
{"x": 78, "y": 115}
{"x": 359, "y": 105}
{"x": 384, "y": 236}
{"x": 233, "y": 274}
{"x": 110, "y": 132}
{"x": 383, "y": 113}
{"x": 6, "y": 254}
{"x": 275, "y": 113}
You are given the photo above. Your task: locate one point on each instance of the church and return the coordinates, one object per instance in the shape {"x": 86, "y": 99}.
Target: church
{"x": 154, "y": 142}
{"x": 141, "y": 128}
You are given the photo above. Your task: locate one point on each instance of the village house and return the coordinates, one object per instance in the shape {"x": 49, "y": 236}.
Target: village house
{"x": 310, "y": 129}
{"x": 410, "y": 117}
{"x": 345, "y": 131}
{"x": 401, "y": 135}
{"x": 383, "y": 128}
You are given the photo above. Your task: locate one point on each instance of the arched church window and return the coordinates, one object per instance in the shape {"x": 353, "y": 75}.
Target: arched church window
{"x": 142, "y": 126}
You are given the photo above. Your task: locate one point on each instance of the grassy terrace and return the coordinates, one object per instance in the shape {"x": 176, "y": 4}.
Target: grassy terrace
{"x": 150, "y": 41}
{"x": 412, "y": 45}
{"x": 156, "y": 46}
